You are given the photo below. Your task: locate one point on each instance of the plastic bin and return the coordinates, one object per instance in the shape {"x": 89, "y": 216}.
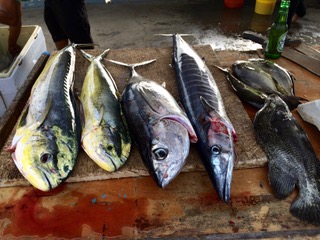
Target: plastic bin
{"x": 33, "y": 45}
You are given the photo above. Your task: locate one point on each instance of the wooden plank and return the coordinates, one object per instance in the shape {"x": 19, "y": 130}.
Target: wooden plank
{"x": 248, "y": 152}
{"x": 132, "y": 208}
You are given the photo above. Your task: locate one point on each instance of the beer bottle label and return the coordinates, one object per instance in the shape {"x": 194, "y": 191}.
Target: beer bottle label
{"x": 281, "y": 41}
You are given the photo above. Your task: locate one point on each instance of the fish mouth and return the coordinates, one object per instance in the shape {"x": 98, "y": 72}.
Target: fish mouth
{"x": 222, "y": 178}
{"x": 163, "y": 178}
{"x": 112, "y": 160}
{"x": 46, "y": 183}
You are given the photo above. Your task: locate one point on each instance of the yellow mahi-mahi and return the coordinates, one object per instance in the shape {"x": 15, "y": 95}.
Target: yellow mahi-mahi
{"x": 47, "y": 139}
{"x": 105, "y": 137}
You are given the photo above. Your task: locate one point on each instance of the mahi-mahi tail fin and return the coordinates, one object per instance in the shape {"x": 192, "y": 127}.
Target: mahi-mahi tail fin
{"x": 90, "y": 57}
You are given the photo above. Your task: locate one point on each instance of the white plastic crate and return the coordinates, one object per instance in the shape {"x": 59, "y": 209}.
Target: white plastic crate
{"x": 33, "y": 45}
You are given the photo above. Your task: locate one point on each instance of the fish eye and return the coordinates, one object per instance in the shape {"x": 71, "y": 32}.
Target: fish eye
{"x": 107, "y": 148}
{"x": 215, "y": 149}
{"x": 160, "y": 153}
{"x": 45, "y": 157}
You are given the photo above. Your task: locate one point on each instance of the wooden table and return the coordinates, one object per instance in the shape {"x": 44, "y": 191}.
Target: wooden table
{"x": 132, "y": 206}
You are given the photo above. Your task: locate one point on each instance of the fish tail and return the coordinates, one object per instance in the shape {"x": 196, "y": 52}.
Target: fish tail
{"x": 132, "y": 66}
{"x": 90, "y": 57}
{"x": 171, "y": 34}
{"x": 306, "y": 206}
{"x": 103, "y": 54}
{"x": 292, "y": 101}
{"x": 86, "y": 55}
{"x": 225, "y": 70}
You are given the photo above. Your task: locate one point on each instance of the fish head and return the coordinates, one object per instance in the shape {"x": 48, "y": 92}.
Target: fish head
{"x": 220, "y": 152}
{"x": 107, "y": 147}
{"x": 169, "y": 148}
{"x": 45, "y": 157}
{"x": 275, "y": 104}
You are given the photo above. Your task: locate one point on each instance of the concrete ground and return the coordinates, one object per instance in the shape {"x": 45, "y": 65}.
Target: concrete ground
{"x": 133, "y": 24}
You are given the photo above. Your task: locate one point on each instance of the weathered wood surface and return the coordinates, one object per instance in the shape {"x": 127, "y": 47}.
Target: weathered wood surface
{"x": 248, "y": 152}
{"x": 130, "y": 208}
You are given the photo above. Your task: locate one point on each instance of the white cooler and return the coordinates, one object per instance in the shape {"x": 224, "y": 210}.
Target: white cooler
{"x": 33, "y": 45}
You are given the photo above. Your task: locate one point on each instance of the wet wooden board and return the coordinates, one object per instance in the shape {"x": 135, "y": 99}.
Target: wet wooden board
{"x": 248, "y": 152}
{"x": 135, "y": 208}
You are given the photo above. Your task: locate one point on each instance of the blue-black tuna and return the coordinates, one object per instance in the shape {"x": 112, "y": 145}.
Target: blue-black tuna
{"x": 203, "y": 104}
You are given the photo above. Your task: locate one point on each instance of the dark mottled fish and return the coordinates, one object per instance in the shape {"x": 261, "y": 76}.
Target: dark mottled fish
{"x": 204, "y": 106}
{"x": 159, "y": 127}
{"x": 292, "y": 161}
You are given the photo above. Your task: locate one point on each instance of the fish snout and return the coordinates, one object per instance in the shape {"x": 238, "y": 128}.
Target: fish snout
{"x": 222, "y": 177}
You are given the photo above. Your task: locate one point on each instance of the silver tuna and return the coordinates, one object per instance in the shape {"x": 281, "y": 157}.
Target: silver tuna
{"x": 159, "y": 127}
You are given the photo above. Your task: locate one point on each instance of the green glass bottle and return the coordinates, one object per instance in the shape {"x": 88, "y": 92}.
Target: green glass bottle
{"x": 278, "y": 32}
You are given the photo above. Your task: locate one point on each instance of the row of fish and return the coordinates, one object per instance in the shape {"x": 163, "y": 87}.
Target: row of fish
{"x": 292, "y": 161}
{"x": 47, "y": 139}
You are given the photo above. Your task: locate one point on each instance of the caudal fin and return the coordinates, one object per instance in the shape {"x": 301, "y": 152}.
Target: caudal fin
{"x": 292, "y": 101}
{"x": 89, "y": 57}
{"x": 306, "y": 207}
{"x": 132, "y": 66}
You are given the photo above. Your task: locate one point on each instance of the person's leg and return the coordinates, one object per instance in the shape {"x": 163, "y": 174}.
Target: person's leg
{"x": 61, "y": 44}
{"x": 73, "y": 19}
{"x": 10, "y": 14}
{"x": 58, "y": 36}
{"x": 300, "y": 11}
{"x": 292, "y": 9}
